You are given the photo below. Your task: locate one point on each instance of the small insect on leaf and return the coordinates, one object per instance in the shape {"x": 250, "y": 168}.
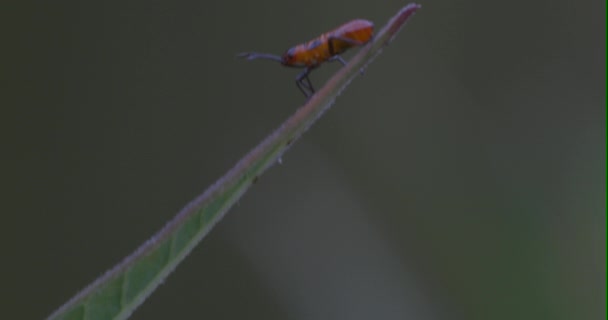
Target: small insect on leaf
{"x": 326, "y": 47}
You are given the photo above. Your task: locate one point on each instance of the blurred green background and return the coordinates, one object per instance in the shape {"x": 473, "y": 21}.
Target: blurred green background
{"x": 463, "y": 177}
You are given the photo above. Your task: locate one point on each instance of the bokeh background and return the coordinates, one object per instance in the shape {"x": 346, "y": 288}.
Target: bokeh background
{"x": 463, "y": 177}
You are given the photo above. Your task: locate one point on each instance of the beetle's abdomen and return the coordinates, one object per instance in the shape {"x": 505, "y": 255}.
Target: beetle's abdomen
{"x": 311, "y": 54}
{"x": 355, "y": 33}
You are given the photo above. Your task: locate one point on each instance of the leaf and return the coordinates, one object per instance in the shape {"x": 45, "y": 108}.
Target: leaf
{"x": 117, "y": 293}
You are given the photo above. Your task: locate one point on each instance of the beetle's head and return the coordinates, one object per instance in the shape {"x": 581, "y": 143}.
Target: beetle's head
{"x": 291, "y": 58}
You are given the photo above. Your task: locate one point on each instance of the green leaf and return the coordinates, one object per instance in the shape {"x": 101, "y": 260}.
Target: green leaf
{"x": 117, "y": 293}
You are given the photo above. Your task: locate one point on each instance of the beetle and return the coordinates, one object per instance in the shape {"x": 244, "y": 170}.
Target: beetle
{"x": 326, "y": 47}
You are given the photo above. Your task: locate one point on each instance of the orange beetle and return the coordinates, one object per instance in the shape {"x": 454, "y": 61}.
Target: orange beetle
{"x": 326, "y": 47}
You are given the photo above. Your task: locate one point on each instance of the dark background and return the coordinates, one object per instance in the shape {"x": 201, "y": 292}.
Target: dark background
{"x": 463, "y": 177}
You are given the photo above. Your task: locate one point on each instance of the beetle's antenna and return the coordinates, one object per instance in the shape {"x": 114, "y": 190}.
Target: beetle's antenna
{"x": 255, "y": 55}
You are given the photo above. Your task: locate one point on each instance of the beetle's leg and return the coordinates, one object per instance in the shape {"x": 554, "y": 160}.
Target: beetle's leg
{"x": 306, "y": 87}
{"x": 343, "y": 62}
{"x": 339, "y": 58}
{"x": 309, "y": 84}
{"x": 330, "y": 43}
